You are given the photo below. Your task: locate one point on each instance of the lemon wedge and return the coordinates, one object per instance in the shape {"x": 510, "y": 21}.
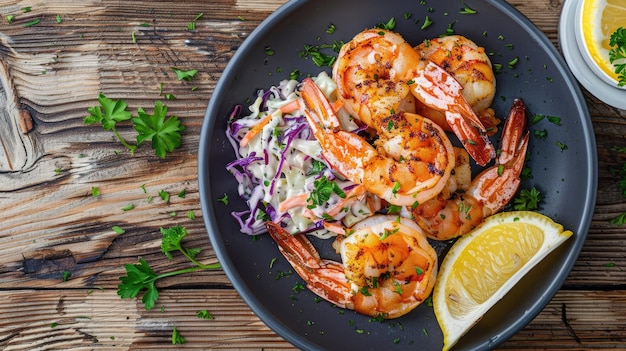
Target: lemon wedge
{"x": 486, "y": 263}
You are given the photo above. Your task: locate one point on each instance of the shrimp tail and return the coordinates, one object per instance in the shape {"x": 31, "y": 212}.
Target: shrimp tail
{"x": 323, "y": 277}
{"x": 446, "y": 217}
{"x": 438, "y": 89}
{"x": 335, "y": 143}
{"x": 474, "y": 141}
{"x": 497, "y": 185}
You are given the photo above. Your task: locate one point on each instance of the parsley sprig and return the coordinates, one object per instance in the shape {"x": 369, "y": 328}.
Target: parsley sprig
{"x": 617, "y": 54}
{"x": 140, "y": 276}
{"x": 108, "y": 114}
{"x": 162, "y": 131}
{"x": 528, "y": 200}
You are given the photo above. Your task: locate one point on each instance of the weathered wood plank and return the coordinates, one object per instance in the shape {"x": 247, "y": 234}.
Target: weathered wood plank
{"x": 82, "y": 319}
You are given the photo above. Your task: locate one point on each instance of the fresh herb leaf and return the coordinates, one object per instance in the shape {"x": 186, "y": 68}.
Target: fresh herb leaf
{"x": 185, "y": 75}
{"x": 140, "y": 277}
{"x": 66, "y": 275}
{"x": 192, "y": 25}
{"x": 528, "y": 200}
{"x": 466, "y": 10}
{"x": 32, "y": 23}
{"x": 224, "y": 199}
{"x": 204, "y": 314}
{"x": 163, "y": 132}
{"x": 164, "y": 195}
{"x": 177, "y": 339}
{"x": 95, "y": 191}
{"x": 108, "y": 114}
{"x": 555, "y": 120}
{"x": 119, "y": 230}
{"x": 427, "y": 23}
{"x": 171, "y": 242}
{"x": 619, "y": 220}
{"x": 617, "y": 54}
{"x": 324, "y": 188}
{"x": 389, "y": 25}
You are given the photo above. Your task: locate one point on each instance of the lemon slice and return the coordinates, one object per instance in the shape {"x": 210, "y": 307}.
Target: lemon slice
{"x": 600, "y": 18}
{"x": 486, "y": 263}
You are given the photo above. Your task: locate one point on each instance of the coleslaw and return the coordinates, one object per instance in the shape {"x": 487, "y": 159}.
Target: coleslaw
{"x": 280, "y": 169}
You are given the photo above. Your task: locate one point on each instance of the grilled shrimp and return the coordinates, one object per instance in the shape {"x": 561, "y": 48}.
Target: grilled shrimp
{"x": 377, "y": 70}
{"x": 470, "y": 66}
{"x": 410, "y": 162}
{"x": 388, "y": 267}
{"x": 457, "y": 212}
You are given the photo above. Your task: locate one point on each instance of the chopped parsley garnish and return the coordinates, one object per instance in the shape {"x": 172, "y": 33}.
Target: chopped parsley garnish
{"x": 192, "y": 25}
{"x": 389, "y": 25}
{"x": 388, "y": 232}
{"x": 164, "y": 195}
{"x": 398, "y": 287}
{"x": 318, "y": 57}
{"x": 32, "y": 23}
{"x": 541, "y": 134}
{"x": 427, "y": 23}
{"x": 555, "y": 120}
{"x": 324, "y": 188}
{"x": 177, "y": 339}
{"x": 316, "y": 167}
{"x": 450, "y": 29}
{"x": 396, "y": 188}
{"x": 66, "y": 275}
{"x": 528, "y": 200}
{"x": 466, "y": 10}
{"x": 184, "y": 75}
{"x": 224, "y": 199}
{"x": 365, "y": 291}
{"x": 204, "y": 314}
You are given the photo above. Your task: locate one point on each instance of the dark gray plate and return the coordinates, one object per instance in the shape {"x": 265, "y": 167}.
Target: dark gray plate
{"x": 563, "y": 165}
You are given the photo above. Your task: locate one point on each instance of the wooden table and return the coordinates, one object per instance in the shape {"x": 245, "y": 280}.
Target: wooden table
{"x": 60, "y": 259}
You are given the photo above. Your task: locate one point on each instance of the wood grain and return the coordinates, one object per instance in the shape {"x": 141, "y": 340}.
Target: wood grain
{"x": 50, "y": 161}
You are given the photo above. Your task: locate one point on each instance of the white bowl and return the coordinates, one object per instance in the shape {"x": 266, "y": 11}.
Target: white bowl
{"x": 588, "y": 35}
